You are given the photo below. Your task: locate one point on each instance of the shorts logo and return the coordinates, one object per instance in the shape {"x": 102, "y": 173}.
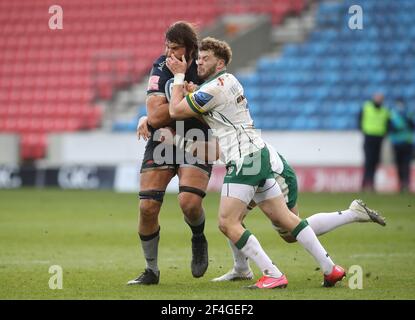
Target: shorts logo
{"x": 153, "y": 83}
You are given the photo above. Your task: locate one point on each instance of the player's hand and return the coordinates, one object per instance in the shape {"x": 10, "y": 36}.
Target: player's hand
{"x": 175, "y": 65}
{"x": 142, "y": 129}
{"x": 189, "y": 87}
{"x": 165, "y": 135}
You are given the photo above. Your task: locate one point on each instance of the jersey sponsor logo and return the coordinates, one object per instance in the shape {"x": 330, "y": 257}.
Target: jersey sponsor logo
{"x": 161, "y": 65}
{"x": 153, "y": 83}
{"x": 221, "y": 81}
{"x": 201, "y": 98}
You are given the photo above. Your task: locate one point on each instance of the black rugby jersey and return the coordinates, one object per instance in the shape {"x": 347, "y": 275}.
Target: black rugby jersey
{"x": 159, "y": 75}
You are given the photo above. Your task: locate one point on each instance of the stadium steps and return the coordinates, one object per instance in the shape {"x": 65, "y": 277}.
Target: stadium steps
{"x": 235, "y": 15}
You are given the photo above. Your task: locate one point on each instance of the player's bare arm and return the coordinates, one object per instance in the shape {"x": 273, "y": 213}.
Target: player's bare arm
{"x": 158, "y": 111}
{"x": 190, "y": 87}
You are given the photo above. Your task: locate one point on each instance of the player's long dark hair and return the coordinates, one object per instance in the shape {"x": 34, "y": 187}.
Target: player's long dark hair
{"x": 184, "y": 33}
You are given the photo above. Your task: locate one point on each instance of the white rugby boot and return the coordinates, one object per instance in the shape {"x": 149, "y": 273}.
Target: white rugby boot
{"x": 234, "y": 275}
{"x": 366, "y": 214}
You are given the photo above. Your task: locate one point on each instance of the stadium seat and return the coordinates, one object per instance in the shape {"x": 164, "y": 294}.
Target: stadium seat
{"x": 56, "y": 74}
{"x": 337, "y": 69}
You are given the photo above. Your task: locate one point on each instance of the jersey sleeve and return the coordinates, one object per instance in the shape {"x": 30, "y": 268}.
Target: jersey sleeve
{"x": 158, "y": 79}
{"x": 205, "y": 99}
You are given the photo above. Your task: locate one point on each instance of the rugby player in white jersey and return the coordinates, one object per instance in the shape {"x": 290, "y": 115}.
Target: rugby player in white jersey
{"x": 321, "y": 223}
{"x": 250, "y": 175}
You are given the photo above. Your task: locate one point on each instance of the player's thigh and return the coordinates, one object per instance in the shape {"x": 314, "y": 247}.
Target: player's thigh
{"x": 295, "y": 210}
{"x": 287, "y": 181}
{"x": 193, "y": 177}
{"x": 234, "y": 200}
{"x": 155, "y": 179}
{"x": 277, "y": 211}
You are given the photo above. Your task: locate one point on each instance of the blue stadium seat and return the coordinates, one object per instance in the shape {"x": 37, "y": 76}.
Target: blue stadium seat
{"x": 322, "y": 83}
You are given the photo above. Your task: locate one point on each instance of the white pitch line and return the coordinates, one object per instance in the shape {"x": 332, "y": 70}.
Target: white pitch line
{"x": 383, "y": 255}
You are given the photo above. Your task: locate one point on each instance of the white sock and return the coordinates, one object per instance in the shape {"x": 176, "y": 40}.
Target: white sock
{"x": 253, "y": 250}
{"x": 322, "y": 223}
{"x": 240, "y": 261}
{"x": 308, "y": 239}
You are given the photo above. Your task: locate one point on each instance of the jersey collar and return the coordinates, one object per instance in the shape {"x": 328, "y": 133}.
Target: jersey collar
{"x": 215, "y": 76}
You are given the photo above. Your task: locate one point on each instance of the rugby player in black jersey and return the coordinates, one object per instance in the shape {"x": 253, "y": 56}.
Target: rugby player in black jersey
{"x": 159, "y": 168}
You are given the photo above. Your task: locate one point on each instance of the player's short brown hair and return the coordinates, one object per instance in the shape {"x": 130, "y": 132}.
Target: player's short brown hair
{"x": 221, "y": 49}
{"x": 184, "y": 34}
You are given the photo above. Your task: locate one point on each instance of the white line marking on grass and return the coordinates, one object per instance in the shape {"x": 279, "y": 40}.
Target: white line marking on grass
{"x": 383, "y": 255}
{"x": 26, "y": 262}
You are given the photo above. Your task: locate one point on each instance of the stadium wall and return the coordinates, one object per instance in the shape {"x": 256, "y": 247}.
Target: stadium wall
{"x": 125, "y": 178}
{"x": 306, "y": 148}
{"x": 323, "y": 161}
{"x": 9, "y": 148}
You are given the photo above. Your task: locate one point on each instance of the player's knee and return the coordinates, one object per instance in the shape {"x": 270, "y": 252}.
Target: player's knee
{"x": 224, "y": 226}
{"x": 285, "y": 234}
{"x": 149, "y": 211}
{"x": 190, "y": 204}
{"x": 190, "y": 201}
{"x": 288, "y": 238}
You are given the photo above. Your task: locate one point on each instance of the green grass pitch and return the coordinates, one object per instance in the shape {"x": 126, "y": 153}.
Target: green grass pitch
{"x": 92, "y": 236}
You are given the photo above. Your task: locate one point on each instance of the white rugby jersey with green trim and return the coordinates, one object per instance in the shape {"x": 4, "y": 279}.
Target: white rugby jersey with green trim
{"x": 223, "y": 106}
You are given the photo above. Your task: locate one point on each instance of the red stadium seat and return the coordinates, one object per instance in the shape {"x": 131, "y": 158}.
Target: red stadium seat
{"x": 51, "y": 77}
{"x": 32, "y": 146}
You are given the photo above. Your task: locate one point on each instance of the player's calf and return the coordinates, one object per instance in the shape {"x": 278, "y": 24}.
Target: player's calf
{"x": 190, "y": 200}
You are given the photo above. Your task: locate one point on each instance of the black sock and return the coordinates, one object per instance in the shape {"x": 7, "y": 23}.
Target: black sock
{"x": 197, "y": 226}
{"x": 196, "y": 230}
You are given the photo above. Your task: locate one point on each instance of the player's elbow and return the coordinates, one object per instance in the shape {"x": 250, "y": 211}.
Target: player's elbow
{"x": 155, "y": 122}
{"x": 173, "y": 113}
{"x": 158, "y": 120}
{"x": 176, "y": 114}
